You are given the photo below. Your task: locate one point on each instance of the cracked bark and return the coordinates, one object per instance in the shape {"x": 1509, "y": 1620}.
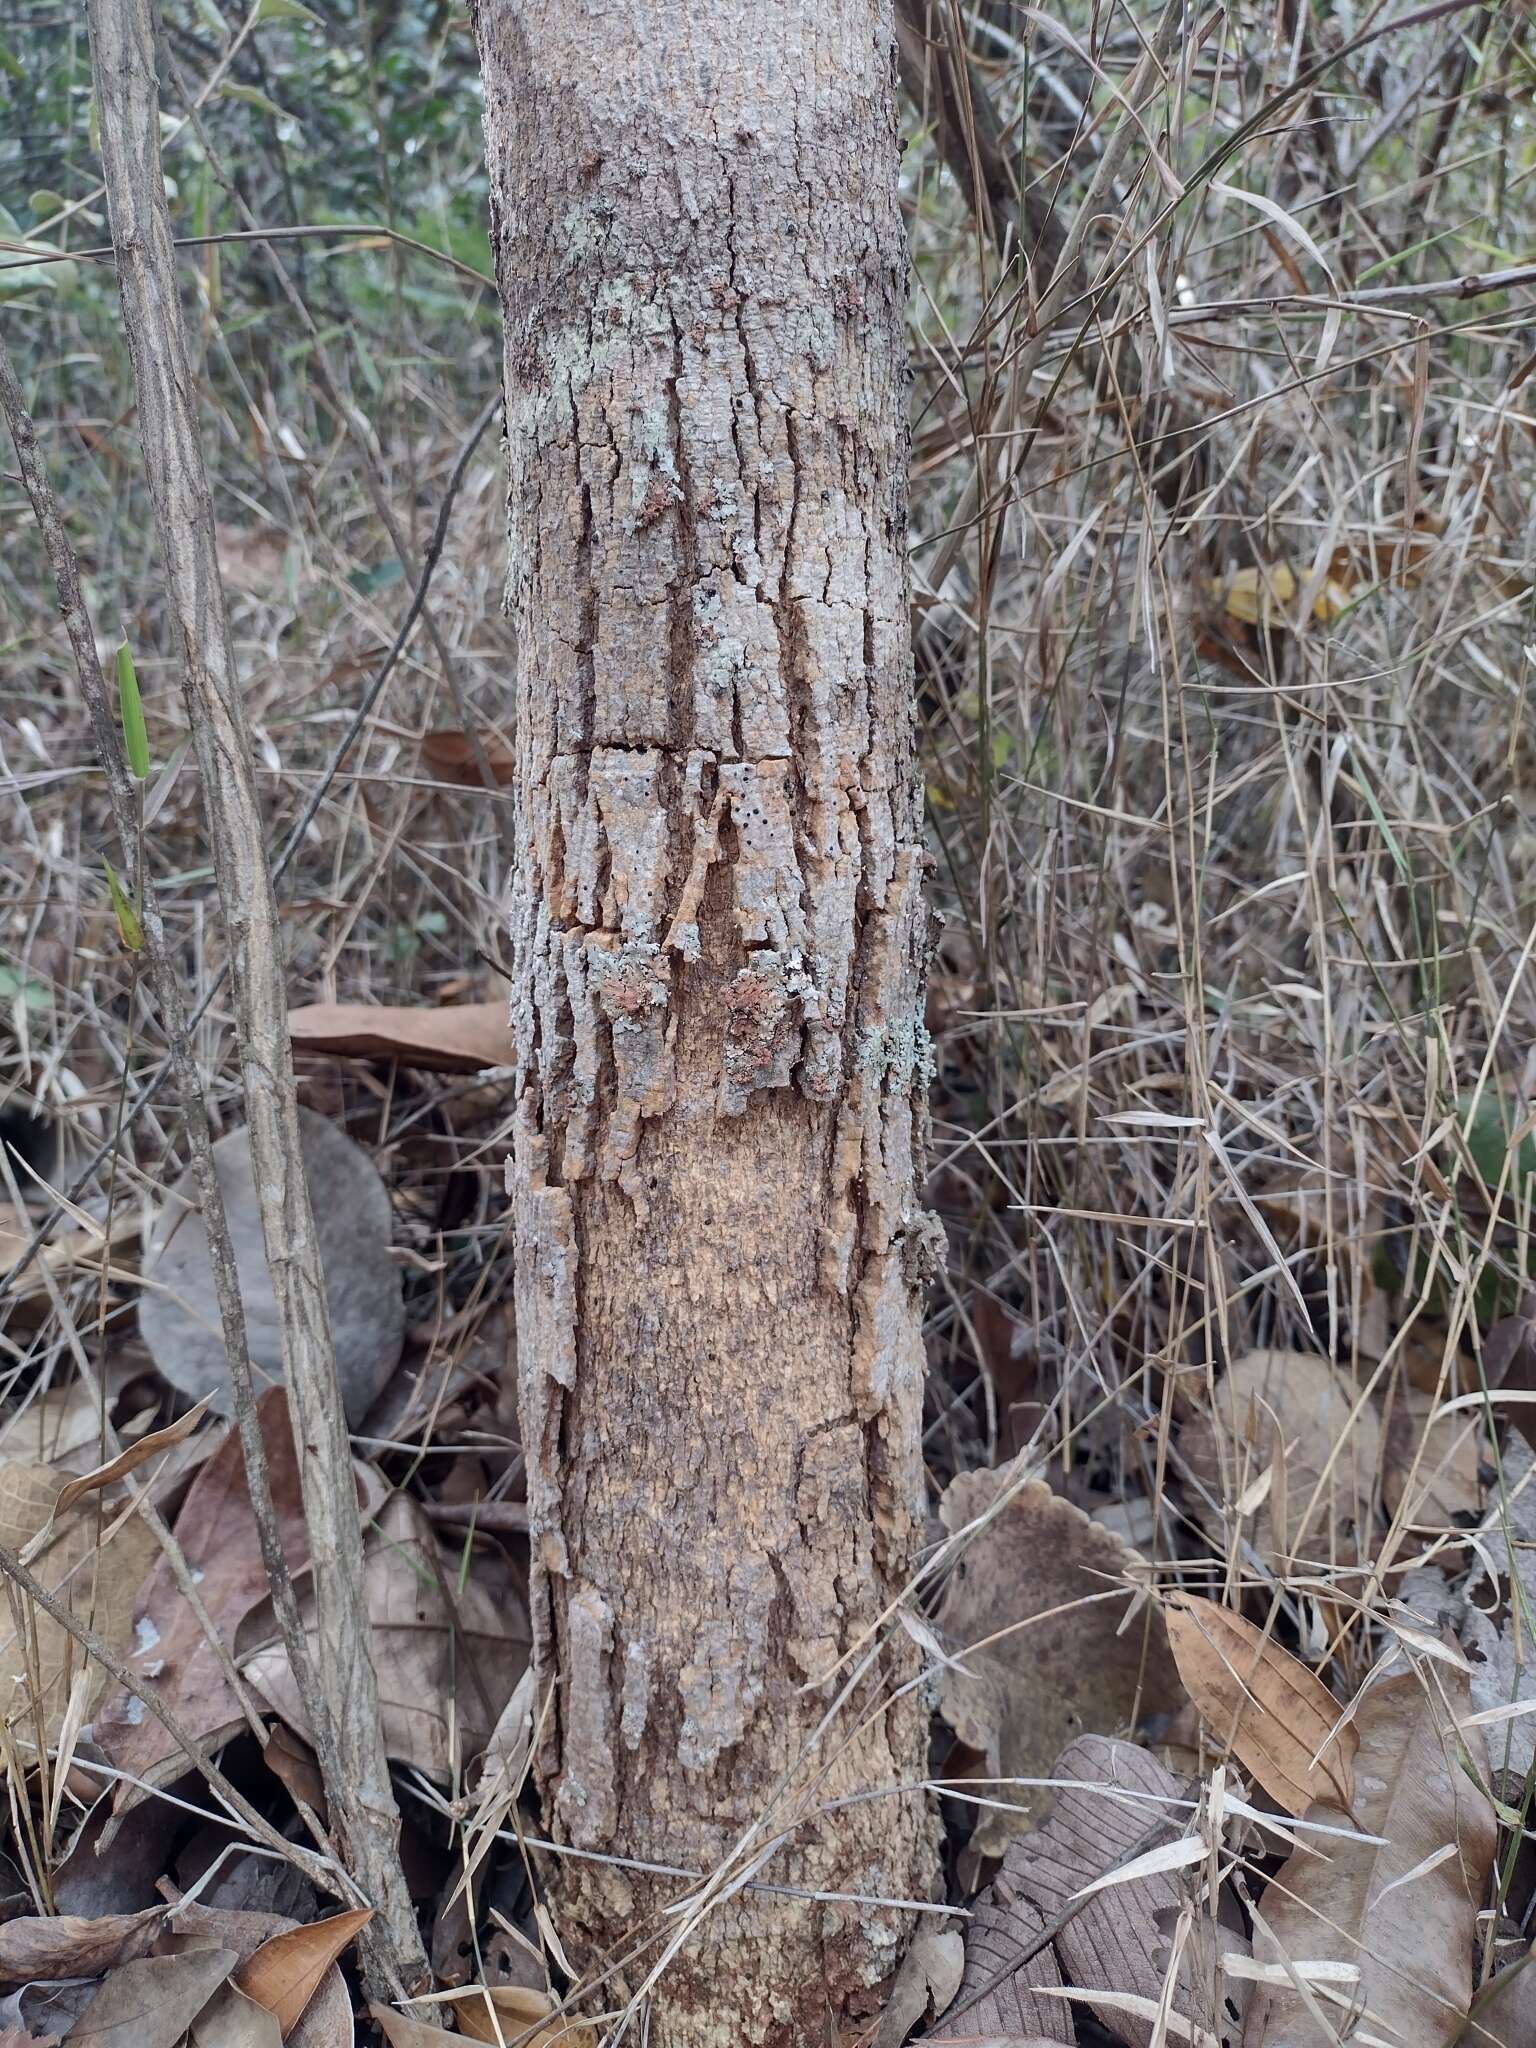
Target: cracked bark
{"x": 719, "y": 940}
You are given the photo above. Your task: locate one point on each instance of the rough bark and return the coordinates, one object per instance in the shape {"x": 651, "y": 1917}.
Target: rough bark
{"x": 719, "y": 939}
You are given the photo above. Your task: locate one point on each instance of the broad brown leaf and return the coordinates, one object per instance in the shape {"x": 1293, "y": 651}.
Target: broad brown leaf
{"x": 285, "y": 1972}
{"x": 151, "y": 2003}
{"x": 457, "y": 1038}
{"x": 1412, "y": 1941}
{"x": 1280, "y": 1721}
{"x": 450, "y": 756}
{"x": 516, "y": 2012}
{"x": 217, "y": 1533}
{"x": 1037, "y": 1587}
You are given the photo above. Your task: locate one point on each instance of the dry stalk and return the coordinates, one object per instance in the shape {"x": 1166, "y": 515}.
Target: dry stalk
{"x": 355, "y": 1768}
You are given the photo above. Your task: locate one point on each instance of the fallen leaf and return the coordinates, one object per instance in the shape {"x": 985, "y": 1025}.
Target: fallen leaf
{"x": 1430, "y": 1471}
{"x": 448, "y": 1659}
{"x": 926, "y": 1982}
{"x": 457, "y": 1038}
{"x": 44, "y": 1949}
{"x": 178, "y": 1306}
{"x": 400, "y": 2031}
{"x": 507, "y": 2013}
{"x": 1504, "y": 2012}
{"x": 1113, "y": 1946}
{"x": 451, "y": 757}
{"x": 1403, "y": 1911}
{"x": 95, "y": 1565}
{"x": 286, "y": 1971}
{"x": 231, "y": 2020}
{"x": 1038, "y": 1587}
{"x": 217, "y": 1534}
{"x": 1279, "y": 1417}
{"x": 130, "y": 1459}
{"x": 997, "y": 1993}
{"x": 152, "y": 2002}
{"x": 1279, "y": 1720}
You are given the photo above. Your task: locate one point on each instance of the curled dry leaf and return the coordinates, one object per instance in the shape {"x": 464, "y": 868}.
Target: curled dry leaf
{"x": 130, "y": 1459}
{"x": 1038, "y": 1586}
{"x": 217, "y": 1534}
{"x": 1276, "y": 1717}
{"x": 95, "y": 1565}
{"x": 1403, "y": 1911}
{"x": 1281, "y": 1444}
{"x": 455, "y": 1039}
{"x": 45, "y": 1949}
{"x": 286, "y": 1971}
{"x": 448, "y": 1659}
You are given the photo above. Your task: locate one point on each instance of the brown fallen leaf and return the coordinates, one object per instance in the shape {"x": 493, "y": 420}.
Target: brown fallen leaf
{"x": 151, "y": 2003}
{"x": 286, "y": 1971}
{"x": 1037, "y": 1588}
{"x": 1122, "y": 1806}
{"x": 451, "y": 758}
{"x": 448, "y": 1659}
{"x": 217, "y": 1534}
{"x": 1272, "y": 1442}
{"x": 1430, "y": 1472}
{"x": 510, "y": 2012}
{"x": 1280, "y": 1721}
{"x": 401, "y": 2031}
{"x": 130, "y": 1459}
{"x": 231, "y": 2020}
{"x": 96, "y": 1565}
{"x": 1403, "y": 1911}
{"x": 45, "y": 1949}
{"x": 1503, "y": 2013}
{"x": 456, "y": 1038}
{"x": 927, "y": 1981}
{"x": 997, "y": 1998}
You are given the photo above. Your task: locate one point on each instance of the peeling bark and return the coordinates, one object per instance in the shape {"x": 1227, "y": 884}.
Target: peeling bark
{"x": 719, "y": 941}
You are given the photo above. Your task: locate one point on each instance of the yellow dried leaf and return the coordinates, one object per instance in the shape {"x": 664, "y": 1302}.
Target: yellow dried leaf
{"x": 1280, "y": 1721}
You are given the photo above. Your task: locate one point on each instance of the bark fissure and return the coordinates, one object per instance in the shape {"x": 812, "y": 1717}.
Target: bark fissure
{"x": 719, "y": 940}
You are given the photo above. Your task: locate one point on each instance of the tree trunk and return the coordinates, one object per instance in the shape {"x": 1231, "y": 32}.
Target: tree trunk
{"x": 719, "y": 937}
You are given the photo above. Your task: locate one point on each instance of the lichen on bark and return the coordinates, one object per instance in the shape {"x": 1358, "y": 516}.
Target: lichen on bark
{"x": 719, "y": 938}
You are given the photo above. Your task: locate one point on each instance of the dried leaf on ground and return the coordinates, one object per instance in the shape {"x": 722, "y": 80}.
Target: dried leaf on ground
{"x": 451, "y": 757}
{"x": 1004, "y": 1926}
{"x": 1404, "y": 1912}
{"x": 925, "y": 1984}
{"x": 178, "y": 1305}
{"x": 130, "y": 1458}
{"x": 1278, "y": 1719}
{"x": 231, "y": 2020}
{"x": 1504, "y": 2012}
{"x": 217, "y": 1534}
{"x": 508, "y": 2012}
{"x": 286, "y": 1971}
{"x": 1503, "y": 1653}
{"x": 152, "y": 2002}
{"x": 95, "y": 1564}
{"x": 457, "y": 1038}
{"x": 1275, "y": 1430}
{"x": 45, "y": 1948}
{"x": 1020, "y": 1700}
{"x": 448, "y": 1659}
{"x": 1430, "y": 1470}
{"x": 1116, "y": 1942}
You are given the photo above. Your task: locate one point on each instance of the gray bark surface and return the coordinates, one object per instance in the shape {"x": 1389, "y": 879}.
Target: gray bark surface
{"x": 719, "y": 939}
